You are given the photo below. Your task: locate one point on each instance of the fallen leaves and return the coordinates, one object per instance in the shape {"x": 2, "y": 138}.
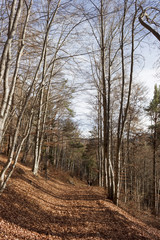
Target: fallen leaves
{"x": 35, "y": 209}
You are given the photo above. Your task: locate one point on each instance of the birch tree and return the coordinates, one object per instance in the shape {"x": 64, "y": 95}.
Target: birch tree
{"x": 40, "y": 127}
{"x": 8, "y": 78}
{"x": 53, "y": 62}
{"x": 101, "y": 72}
{"x": 12, "y": 159}
{"x": 124, "y": 107}
{"x": 112, "y": 78}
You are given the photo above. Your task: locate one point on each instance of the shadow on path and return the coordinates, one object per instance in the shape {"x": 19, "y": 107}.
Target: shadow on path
{"x": 72, "y": 215}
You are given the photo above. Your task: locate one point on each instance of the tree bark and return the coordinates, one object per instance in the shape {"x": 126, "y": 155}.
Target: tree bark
{"x": 5, "y": 65}
{"x": 104, "y": 96}
{"x": 149, "y": 28}
{"x": 122, "y": 118}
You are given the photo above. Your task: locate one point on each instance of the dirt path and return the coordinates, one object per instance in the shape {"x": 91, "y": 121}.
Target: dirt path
{"x": 32, "y": 208}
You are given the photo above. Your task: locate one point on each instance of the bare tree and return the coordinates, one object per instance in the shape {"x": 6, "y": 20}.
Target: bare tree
{"x": 151, "y": 21}
{"x": 41, "y": 115}
{"x": 6, "y": 173}
{"x": 6, "y": 58}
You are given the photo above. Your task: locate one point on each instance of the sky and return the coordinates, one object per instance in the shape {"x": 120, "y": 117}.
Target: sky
{"x": 147, "y": 76}
{"x": 145, "y": 73}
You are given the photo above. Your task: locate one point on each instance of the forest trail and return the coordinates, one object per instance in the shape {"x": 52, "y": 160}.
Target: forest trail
{"x": 34, "y": 208}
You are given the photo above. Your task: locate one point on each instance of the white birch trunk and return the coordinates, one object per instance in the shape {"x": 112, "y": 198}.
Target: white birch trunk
{"x": 13, "y": 21}
{"x": 8, "y": 93}
{"x": 39, "y": 131}
{"x": 13, "y": 158}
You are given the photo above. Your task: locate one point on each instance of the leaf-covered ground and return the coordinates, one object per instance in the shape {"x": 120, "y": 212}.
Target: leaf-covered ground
{"x": 33, "y": 208}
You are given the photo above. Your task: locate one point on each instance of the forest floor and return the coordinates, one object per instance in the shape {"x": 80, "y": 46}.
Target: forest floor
{"x": 33, "y": 208}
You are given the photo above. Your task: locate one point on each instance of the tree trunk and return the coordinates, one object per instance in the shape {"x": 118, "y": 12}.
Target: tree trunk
{"x": 14, "y": 154}
{"x": 154, "y": 167}
{"x": 5, "y": 64}
{"x": 104, "y": 98}
{"x": 123, "y": 116}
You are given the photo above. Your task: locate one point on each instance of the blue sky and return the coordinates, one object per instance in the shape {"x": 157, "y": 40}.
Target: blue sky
{"x": 147, "y": 76}
{"x": 151, "y": 54}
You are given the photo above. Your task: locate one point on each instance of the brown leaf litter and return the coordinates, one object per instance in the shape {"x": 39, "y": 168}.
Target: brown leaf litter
{"x": 32, "y": 208}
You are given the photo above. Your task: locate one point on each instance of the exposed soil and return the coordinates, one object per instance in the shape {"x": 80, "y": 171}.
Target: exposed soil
{"x": 34, "y": 208}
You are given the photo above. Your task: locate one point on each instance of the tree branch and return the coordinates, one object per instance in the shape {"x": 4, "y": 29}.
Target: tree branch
{"x": 149, "y": 28}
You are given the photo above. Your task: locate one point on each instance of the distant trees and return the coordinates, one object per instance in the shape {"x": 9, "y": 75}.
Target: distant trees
{"x": 62, "y": 147}
{"x": 154, "y": 113}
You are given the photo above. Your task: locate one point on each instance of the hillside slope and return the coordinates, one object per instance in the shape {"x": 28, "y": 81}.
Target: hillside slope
{"x": 33, "y": 208}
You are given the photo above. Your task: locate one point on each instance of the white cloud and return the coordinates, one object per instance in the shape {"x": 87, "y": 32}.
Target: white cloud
{"x": 147, "y": 77}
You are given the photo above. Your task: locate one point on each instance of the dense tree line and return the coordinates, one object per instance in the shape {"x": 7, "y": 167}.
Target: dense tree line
{"x": 42, "y": 49}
